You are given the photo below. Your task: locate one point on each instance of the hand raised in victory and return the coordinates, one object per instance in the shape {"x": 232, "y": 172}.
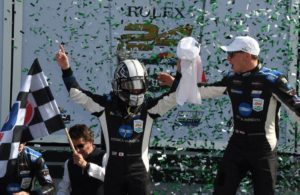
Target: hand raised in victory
{"x": 62, "y": 58}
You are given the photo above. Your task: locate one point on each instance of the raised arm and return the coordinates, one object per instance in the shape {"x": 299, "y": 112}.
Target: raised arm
{"x": 62, "y": 58}
{"x": 167, "y": 101}
{"x": 165, "y": 79}
{"x": 91, "y": 102}
{"x": 206, "y": 90}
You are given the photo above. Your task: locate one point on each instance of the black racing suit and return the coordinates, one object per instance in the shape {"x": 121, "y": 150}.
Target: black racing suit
{"x": 256, "y": 97}
{"x": 126, "y": 135}
{"x": 21, "y": 174}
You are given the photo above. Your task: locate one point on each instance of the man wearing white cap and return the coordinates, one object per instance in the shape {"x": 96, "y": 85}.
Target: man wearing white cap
{"x": 243, "y": 45}
{"x": 256, "y": 94}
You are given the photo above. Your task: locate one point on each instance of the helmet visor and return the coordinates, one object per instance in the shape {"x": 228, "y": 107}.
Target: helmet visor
{"x": 134, "y": 86}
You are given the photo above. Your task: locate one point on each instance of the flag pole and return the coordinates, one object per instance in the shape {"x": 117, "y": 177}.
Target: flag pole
{"x": 69, "y": 139}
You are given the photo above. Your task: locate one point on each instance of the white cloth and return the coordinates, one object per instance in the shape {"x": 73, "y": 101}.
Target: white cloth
{"x": 191, "y": 69}
{"x": 64, "y": 186}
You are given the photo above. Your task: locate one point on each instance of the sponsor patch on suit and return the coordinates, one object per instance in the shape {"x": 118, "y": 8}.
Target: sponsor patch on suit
{"x": 138, "y": 126}
{"x": 258, "y": 104}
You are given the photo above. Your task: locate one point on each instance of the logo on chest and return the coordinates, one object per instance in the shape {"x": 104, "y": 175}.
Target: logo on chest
{"x": 25, "y": 183}
{"x": 245, "y": 109}
{"x": 258, "y": 104}
{"x": 138, "y": 126}
{"x": 125, "y": 131}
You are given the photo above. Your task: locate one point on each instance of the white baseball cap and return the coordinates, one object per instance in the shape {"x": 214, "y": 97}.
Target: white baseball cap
{"x": 243, "y": 43}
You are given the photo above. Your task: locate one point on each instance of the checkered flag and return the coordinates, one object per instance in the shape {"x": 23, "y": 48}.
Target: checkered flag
{"x": 35, "y": 114}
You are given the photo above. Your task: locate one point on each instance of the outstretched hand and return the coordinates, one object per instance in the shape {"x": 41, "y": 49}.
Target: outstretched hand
{"x": 62, "y": 58}
{"x": 165, "y": 79}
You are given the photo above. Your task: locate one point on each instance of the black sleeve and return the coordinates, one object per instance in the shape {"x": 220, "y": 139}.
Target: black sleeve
{"x": 175, "y": 82}
{"x": 151, "y": 102}
{"x": 69, "y": 80}
{"x": 287, "y": 95}
{"x": 43, "y": 176}
{"x": 93, "y": 103}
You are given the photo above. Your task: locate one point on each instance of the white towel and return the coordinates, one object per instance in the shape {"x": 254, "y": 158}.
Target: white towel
{"x": 191, "y": 69}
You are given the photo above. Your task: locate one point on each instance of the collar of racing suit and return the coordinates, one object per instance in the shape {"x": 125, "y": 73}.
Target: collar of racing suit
{"x": 123, "y": 109}
{"x": 254, "y": 70}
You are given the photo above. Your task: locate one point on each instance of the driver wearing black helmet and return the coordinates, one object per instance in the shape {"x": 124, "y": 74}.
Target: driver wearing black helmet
{"x": 126, "y": 118}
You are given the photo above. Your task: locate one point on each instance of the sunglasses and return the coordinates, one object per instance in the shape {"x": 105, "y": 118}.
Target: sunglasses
{"x": 232, "y": 53}
{"x": 79, "y": 146}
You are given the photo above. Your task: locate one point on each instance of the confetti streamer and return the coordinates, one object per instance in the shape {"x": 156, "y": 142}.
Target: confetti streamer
{"x": 91, "y": 31}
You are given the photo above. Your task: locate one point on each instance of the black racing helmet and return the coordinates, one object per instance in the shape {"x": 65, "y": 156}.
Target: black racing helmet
{"x": 130, "y": 82}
